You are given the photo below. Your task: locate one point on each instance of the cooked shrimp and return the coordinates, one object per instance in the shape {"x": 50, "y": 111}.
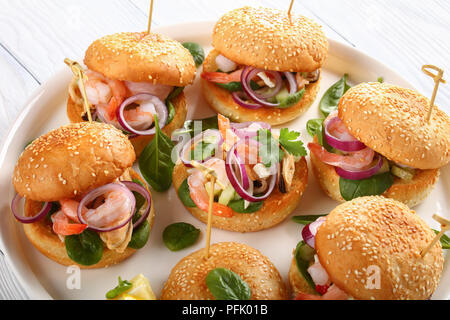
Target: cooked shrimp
{"x": 301, "y": 82}
{"x": 337, "y": 128}
{"x": 221, "y": 77}
{"x": 199, "y": 195}
{"x": 70, "y": 209}
{"x": 351, "y": 161}
{"x": 333, "y": 293}
{"x": 63, "y": 227}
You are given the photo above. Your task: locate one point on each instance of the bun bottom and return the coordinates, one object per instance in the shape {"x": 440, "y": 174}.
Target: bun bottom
{"x": 297, "y": 283}
{"x": 41, "y": 235}
{"x": 74, "y": 112}
{"x": 222, "y": 102}
{"x": 187, "y": 280}
{"x": 276, "y": 208}
{"x": 410, "y": 193}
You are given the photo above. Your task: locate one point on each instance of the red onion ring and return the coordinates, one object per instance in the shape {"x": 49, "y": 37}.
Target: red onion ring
{"x": 199, "y": 137}
{"x": 92, "y": 195}
{"x": 246, "y": 76}
{"x": 238, "y": 97}
{"x": 269, "y": 93}
{"x": 360, "y": 174}
{"x": 310, "y": 230}
{"x": 240, "y": 129}
{"x": 344, "y": 145}
{"x": 160, "y": 107}
{"x": 133, "y": 186}
{"x": 292, "y": 82}
{"x": 245, "y": 180}
{"x": 21, "y": 218}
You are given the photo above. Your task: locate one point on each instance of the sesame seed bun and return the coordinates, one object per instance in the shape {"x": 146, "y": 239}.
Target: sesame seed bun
{"x": 392, "y": 121}
{"x": 275, "y": 209}
{"x": 222, "y": 102}
{"x": 384, "y": 234}
{"x": 187, "y": 280}
{"x": 139, "y": 57}
{"x": 71, "y": 160}
{"x": 49, "y": 244}
{"x": 76, "y": 110}
{"x": 270, "y": 39}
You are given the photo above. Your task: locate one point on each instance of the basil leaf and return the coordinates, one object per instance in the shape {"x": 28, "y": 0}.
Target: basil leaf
{"x": 203, "y": 125}
{"x": 307, "y": 219}
{"x": 269, "y": 151}
{"x": 119, "y": 289}
{"x": 155, "y": 162}
{"x": 301, "y": 254}
{"x": 289, "y": 140}
{"x": 185, "y": 195}
{"x": 140, "y": 235}
{"x": 375, "y": 185}
{"x": 330, "y": 99}
{"x": 445, "y": 240}
{"x": 224, "y": 284}
{"x": 85, "y": 248}
{"x": 180, "y": 235}
{"x": 314, "y": 128}
{"x": 196, "y": 51}
{"x": 291, "y": 99}
{"x": 238, "y": 206}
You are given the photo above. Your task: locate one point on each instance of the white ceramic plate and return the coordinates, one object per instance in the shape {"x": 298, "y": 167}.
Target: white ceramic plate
{"x": 46, "y": 110}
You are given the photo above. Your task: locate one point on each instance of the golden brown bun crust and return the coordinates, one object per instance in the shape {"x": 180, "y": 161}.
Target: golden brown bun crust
{"x": 385, "y": 234}
{"x": 270, "y": 39}
{"x": 48, "y": 243}
{"x": 410, "y": 192}
{"x": 297, "y": 282}
{"x": 187, "y": 280}
{"x": 222, "y": 102}
{"x": 392, "y": 121}
{"x": 275, "y": 209}
{"x": 71, "y": 160}
{"x": 138, "y": 57}
{"x": 75, "y": 111}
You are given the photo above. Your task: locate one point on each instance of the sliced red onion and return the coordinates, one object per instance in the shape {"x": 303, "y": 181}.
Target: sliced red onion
{"x": 246, "y": 76}
{"x": 267, "y": 93}
{"x": 133, "y": 186}
{"x": 360, "y": 174}
{"x": 245, "y": 180}
{"x": 237, "y": 185}
{"x": 242, "y": 129}
{"x": 292, "y": 82}
{"x": 185, "y": 154}
{"x": 341, "y": 144}
{"x": 310, "y": 230}
{"x": 160, "y": 107}
{"x": 47, "y": 206}
{"x": 239, "y": 96}
{"x": 94, "y": 194}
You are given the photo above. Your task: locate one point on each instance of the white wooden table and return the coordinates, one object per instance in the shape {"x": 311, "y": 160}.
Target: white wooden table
{"x": 36, "y": 36}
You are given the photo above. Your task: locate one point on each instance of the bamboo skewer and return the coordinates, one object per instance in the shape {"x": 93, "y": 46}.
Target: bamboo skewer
{"x": 78, "y": 72}
{"x": 445, "y": 226}
{"x": 437, "y": 77}
{"x": 150, "y": 14}
{"x": 290, "y": 8}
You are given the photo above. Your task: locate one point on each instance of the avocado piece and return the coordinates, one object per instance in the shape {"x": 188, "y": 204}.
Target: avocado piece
{"x": 285, "y": 101}
{"x": 227, "y": 195}
{"x": 403, "y": 173}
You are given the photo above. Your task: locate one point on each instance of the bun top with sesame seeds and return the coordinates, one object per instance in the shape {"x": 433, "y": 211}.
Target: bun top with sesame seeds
{"x": 187, "y": 280}
{"x": 270, "y": 39}
{"x": 72, "y": 160}
{"x": 370, "y": 248}
{"x": 393, "y": 121}
{"x": 141, "y": 57}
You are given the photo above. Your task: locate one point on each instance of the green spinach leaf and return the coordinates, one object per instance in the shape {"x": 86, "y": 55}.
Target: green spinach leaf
{"x": 140, "y": 235}
{"x": 155, "y": 162}
{"x": 224, "y": 284}
{"x": 185, "y": 195}
{"x": 375, "y": 185}
{"x": 175, "y": 93}
{"x": 238, "y": 206}
{"x": 237, "y": 86}
{"x": 180, "y": 235}
{"x": 307, "y": 219}
{"x": 85, "y": 248}
{"x": 330, "y": 99}
{"x": 303, "y": 255}
{"x": 196, "y": 51}
{"x": 123, "y": 286}
{"x": 314, "y": 128}
{"x": 170, "y": 110}
{"x": 190, "y": 127}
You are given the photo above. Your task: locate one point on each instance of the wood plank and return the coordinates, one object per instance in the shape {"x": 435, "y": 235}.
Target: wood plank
{"x": 403, "y": 34}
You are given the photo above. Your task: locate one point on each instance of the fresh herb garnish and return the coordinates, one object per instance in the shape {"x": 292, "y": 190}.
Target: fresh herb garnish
{"x": 314, "y": 128}
{"x": 289, "y": 140}
{"x": 85, "y": 248}
{"x": 196, "y": 51}
{"x": 380, "y": 79}
{"x": 445, "y": 240}
{"x": 224, "y": 284}
{"x": 372, "y": 186}
{"x": 307, "y": 219}
{"x": 122, "y": 287}
{"x": 330, "y": 99}
{"x": 155, "y": 162}
{"x": 180, "y": 235}
{"x": 238, "y": 206}
{"x": 190, "y": 127}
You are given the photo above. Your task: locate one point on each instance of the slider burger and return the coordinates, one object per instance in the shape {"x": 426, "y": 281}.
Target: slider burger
{"x": 265, "y": 65}
{"x": 379, "y": 142}
{"x": 84, "y": 204}
{"x": 249, "y": 274}
{"x": 261, "y": 175}
{"x": 133, "y": 78}
{"x": 366, "y": 249}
